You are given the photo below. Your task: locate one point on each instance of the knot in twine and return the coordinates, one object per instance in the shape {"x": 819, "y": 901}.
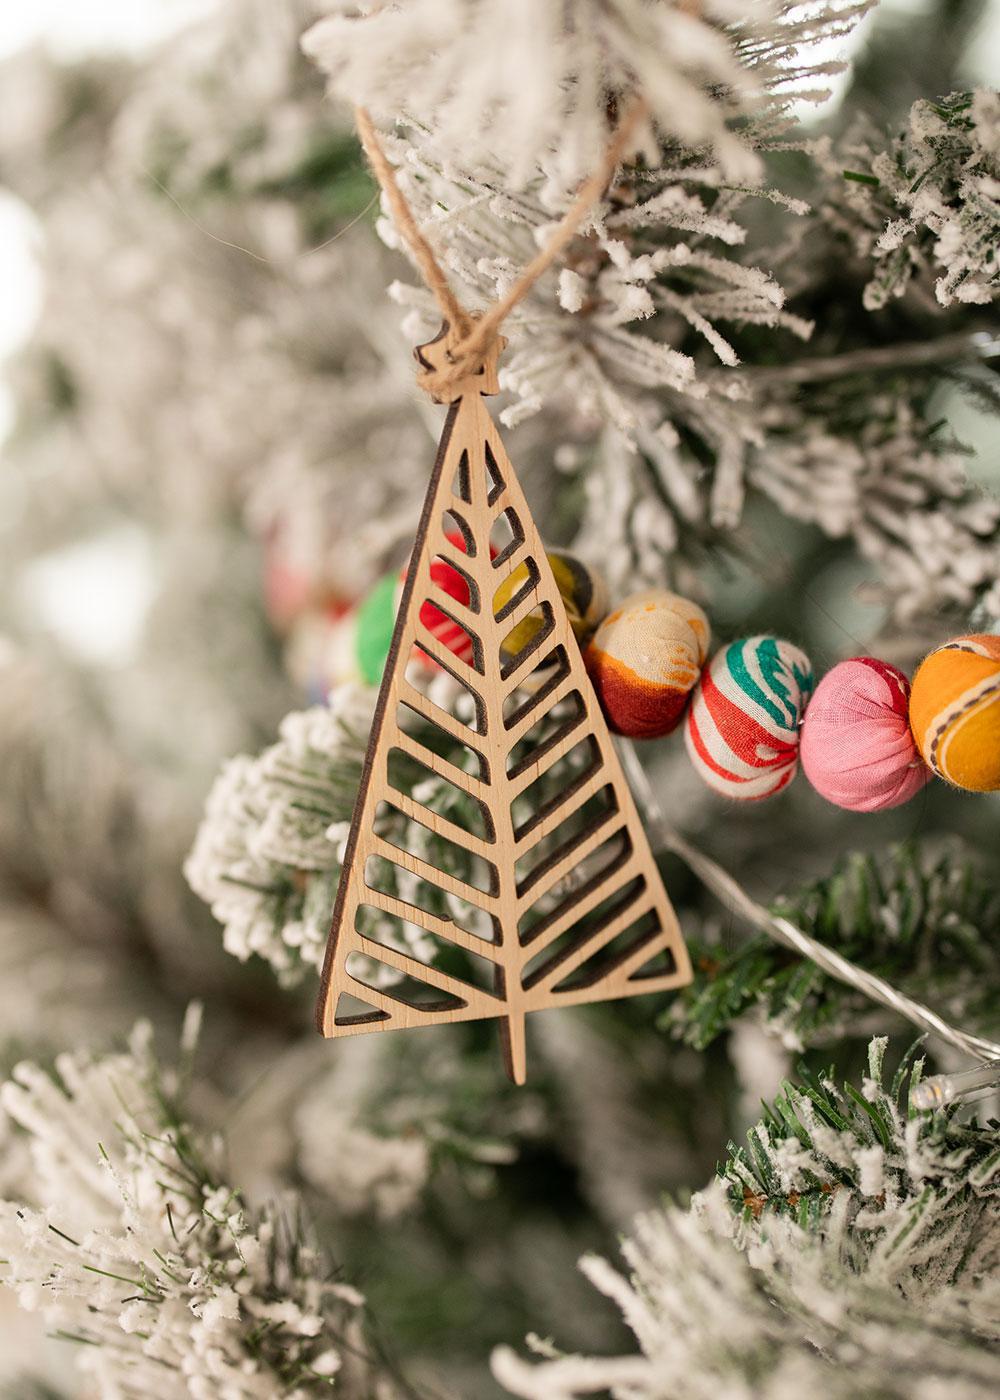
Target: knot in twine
{"x": 474, "y": 338}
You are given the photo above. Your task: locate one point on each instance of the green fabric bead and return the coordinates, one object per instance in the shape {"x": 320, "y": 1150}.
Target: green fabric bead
{"x": 376, "y": 619}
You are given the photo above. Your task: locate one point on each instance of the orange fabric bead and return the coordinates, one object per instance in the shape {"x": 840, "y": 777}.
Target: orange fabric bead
{"x": 955, "y": 712}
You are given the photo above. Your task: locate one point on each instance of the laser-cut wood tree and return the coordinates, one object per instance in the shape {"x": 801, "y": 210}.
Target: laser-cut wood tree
{"x": 561, "y": 879}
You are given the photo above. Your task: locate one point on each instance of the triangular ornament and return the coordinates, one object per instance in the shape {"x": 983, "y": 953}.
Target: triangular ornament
{"x": 530, "y": 883}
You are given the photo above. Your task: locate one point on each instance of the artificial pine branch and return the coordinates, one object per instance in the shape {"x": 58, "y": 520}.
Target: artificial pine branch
{"x": 134, "y": 1245}
{"x": 851, "y": 1249}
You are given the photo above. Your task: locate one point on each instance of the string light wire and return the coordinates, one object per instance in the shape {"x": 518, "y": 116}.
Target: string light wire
{"x": 932, "y": 1092}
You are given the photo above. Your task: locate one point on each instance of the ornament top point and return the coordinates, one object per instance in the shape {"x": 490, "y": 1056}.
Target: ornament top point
{"x": 438, "y": 360}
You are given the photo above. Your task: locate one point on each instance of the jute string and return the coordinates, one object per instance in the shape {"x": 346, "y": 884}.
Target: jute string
{"x": 478, "y": 333}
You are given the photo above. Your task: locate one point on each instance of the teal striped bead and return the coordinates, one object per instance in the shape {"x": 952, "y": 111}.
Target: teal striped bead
{"x": 742, "y": 730}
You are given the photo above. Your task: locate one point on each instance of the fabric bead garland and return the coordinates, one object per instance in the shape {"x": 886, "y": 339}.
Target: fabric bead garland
{"x": 866, "y": 740}
{"x": 644, "y": 659}
{"x": 955, "y": 712}
{"x": 368, "y": 629}
{"x": 857, "y": 749}
{"x": 742, "y": 731}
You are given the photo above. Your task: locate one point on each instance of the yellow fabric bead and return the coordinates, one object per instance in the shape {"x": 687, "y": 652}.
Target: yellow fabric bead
{"x": 955, "y": 712}
{"x": 581, "y": 588}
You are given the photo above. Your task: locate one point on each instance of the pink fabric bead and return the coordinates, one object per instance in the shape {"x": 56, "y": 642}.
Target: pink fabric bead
{"x": 856, "y": 748}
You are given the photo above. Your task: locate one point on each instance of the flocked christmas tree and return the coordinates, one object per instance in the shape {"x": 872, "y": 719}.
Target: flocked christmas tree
{"x": 747, "y": 380}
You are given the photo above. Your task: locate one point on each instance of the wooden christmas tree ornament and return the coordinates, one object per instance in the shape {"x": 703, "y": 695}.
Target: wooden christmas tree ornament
{"x": 565, "y": 903}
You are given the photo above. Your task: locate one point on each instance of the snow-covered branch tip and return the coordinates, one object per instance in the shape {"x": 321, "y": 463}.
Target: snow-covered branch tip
{"x": 850, "y": 1250}
{"x": 138, "y": 1252}
{"x": 266, "y": 854}
{"x": 501, "y": 112}
{"x": 930, "y": 203}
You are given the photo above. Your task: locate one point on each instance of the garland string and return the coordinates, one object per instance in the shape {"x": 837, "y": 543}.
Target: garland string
{"x": 783, "y": 931}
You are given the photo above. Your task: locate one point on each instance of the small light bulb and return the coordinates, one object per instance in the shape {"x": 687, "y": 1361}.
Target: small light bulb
{"x": 941, "y": 1089}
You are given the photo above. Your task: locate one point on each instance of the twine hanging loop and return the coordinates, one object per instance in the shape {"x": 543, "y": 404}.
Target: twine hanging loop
{"x": 471, "y": 337}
